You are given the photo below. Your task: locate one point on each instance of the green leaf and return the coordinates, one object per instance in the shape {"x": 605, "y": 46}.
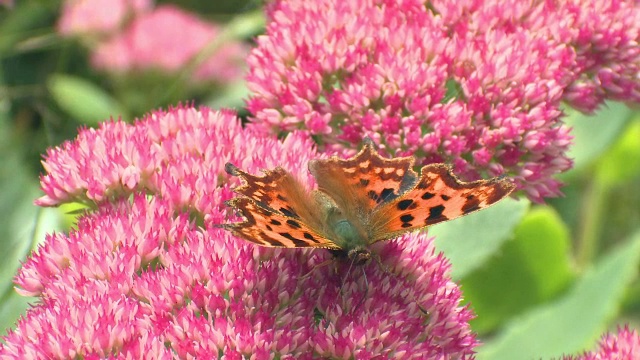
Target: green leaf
{"x": 529, "y": 270}
{"x": 19, "y": 23}
{"x": 21, "y": 224}
{"x": 13, "y": 305}
{"x": 622, "y": 162}
{"x": 469, "y": 241}
{"x": 232, "y": 96}
{"x": 576, "y": 321}
{"x": 83, "y": 100}
{"x": 594, "y": 134}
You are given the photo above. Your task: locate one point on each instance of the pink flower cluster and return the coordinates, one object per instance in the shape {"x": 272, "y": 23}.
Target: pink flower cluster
{"x": 625, "y": 345}
{"x": 478, "y": 84}
{"x": 135, "y": 37}
{"x": 167, "y": 39}
{"x": 146, "y": 274}
{"x": 178, "y": 155}
{"x": 97, "y": 16}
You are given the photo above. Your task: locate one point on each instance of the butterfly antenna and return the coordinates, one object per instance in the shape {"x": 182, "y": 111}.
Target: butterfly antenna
{"x": 366, "y": 291}
{"x": 346, "y": 275}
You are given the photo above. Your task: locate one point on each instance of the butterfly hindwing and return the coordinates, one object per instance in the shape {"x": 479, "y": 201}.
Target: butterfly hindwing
{"x": 438, "y": 196}
{"x": 266, "y": 227}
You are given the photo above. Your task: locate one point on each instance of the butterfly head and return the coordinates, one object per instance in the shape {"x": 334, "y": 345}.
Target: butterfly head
{"x": 359, "y": 256}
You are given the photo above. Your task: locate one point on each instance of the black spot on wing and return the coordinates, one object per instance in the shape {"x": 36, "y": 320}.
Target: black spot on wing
{"x": 280, "y": 197}
{"x": 404, "y": 204}
{"x": 428, "y": 195}
{"x": 372, "y": 195}
{"x": 296, "y": 242}
{"x": 270, "y": 240}
{"x": 435, "y": 214}
{"x": 406, "y": 220}
{"x": 472, "y": 204}
{"x": 364, "y": 182}
{"x": 275, "y": 222}
{"x": 310, "y": 237}
{"x": 386, "y": 194}
{"x": 445, "y": 197}
{"x": 289, "y": 212}
{"x": 293, "y": 224}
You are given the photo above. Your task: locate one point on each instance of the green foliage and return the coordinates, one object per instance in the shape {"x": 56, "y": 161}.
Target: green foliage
{"x": 575, "y": 321}
{"x": 469, "y": 241}
{"x": 622, "y": 162}
{"x": 530, "y": 269}
{"x": 84, "y": 101}
{"x": 593, "y": 134}
{"x": 21, "y": 223}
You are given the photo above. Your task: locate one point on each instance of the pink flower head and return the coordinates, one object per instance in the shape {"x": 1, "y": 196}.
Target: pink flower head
{"x": 475, "y": 84}
{"x": 623, "y": 345}
{"x": 167, "y": 39}
{"x": 97, "y": 16}
{"x": 148, "y": 274}
{"x": 178, "y": 154}
{"x": 607, "y": 44}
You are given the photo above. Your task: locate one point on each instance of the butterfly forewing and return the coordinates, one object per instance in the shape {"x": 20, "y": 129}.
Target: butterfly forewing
{"x": 278, "y": 211}
{"x": 360, "y": 183}
{"x": 268, "y": 228}
{"x": 438, "y": 196}
{"x": 277, "y": 190}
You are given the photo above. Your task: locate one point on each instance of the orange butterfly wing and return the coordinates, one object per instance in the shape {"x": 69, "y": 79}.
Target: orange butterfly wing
{"x": 268, "y": 228}
{"x": 438, "y": 196}
{"x": 277, "y": 190}
{"x": 278, "y": 211}
{"x": 380, "y": 198}
{"x": 358, "y": 184}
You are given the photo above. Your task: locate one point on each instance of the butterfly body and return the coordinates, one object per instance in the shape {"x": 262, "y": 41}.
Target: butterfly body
{"x": 349, "y": 235}
{"x": 359, "y": 201}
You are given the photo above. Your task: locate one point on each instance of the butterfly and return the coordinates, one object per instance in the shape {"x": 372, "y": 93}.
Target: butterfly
{"x": 359, "y": 201}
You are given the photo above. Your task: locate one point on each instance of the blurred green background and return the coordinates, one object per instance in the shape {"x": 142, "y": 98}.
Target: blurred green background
{"x": 543, "y": 279}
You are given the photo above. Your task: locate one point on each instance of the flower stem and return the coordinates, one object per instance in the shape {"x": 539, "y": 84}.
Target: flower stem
{"x": 591, "y": 219}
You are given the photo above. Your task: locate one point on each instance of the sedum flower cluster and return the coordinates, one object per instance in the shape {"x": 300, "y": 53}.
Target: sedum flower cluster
{"x": 147, "y": 274}
{"x": 478, "y": 84}
{"x": 625, "y": 345}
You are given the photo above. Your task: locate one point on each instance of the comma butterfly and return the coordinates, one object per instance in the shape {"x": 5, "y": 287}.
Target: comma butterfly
{"x": 359, "y": 201}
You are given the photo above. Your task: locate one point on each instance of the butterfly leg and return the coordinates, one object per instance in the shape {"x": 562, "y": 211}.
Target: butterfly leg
{"x": 386, "y": 269}
{"x": 318, "y": 266}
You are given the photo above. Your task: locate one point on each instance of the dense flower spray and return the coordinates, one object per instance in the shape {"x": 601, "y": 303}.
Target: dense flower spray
{"x": 475, "y": 83}
{"x": 625, "y": 345}
{"x": 98, "y": 17}
{"x": 146, "y": 274}
{"x": 168, "y": 39}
